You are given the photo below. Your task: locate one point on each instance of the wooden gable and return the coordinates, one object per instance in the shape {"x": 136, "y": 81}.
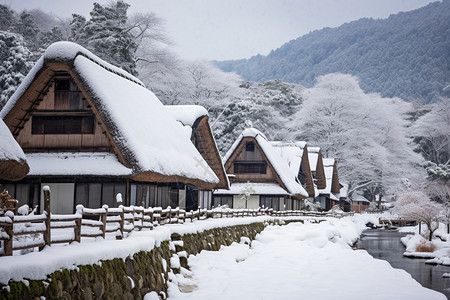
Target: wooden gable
{"x": 56, "y": 114}
{"x": 321, "y": 180}
{"x": 305, "y": 175}
{"x": 203, "y": 140}
{"x": 335, "y": 186}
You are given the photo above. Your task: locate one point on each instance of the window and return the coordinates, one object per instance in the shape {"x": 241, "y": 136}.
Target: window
{"x": 250, "y": 168}
{"x": 63, "y": 125}
{"x": 223, "y": 200}
{"x": 271, "y": 202}
{"x": 250, "y": 147}
{"x": 95, "y": 195}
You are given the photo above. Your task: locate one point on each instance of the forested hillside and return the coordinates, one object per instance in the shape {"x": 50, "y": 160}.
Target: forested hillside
{"x": 370, "y": 136}
{"x": 406, "y": 55}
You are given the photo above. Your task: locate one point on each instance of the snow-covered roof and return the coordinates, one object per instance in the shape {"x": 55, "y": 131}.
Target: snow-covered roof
{"x": 13, "y": 163}
{"x": 291, "y": 154}
{"x": 80, "y": 163}
{"x": 149, "y": 138}
{"x": 278, "y": 163}
{"x": 191, "y": 116}
{"x": 328, "y": 165}
{"x": 359, "y": 198}
{"x": 187, "y": 115}
{"x": 313, "y": 156}
{"x": 258, "y": 188}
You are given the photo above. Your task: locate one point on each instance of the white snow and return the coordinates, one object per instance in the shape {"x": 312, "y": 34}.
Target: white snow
{"x": 79, "y": 163}
{"x": 187, "y": 114}
{"x": 296, "y": 261}
{"x": 9, "y": 148}
{"x": 258, "y": 189}
{"x": 299, "y": 261}
{"x": 153, "y": 135}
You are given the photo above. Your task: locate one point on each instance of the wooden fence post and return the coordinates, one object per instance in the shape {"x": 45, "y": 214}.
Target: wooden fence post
{"x": 77, "y": 230}
{"x": 8, "y": 244}
{"x": 47, "y": 234}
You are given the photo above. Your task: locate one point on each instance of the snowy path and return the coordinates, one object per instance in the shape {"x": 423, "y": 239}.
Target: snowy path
{"x": 310, "y": 261}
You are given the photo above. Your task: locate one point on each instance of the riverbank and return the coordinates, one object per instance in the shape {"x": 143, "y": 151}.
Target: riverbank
{"x": 387, "y": 245}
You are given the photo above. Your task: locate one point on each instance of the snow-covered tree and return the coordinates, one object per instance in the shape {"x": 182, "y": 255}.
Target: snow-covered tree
{"x": 432, "y": 132}
{"x": 364, "y": 132}
{"x": 417, "y": 205}
{"x": 14, "y": 64}
{"x": 107, "y": 34}
{"x": 6, "y": 18}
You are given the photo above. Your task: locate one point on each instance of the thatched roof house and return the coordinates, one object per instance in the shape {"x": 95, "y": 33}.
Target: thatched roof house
{"x": 77, "y": 115}
{"x": 259, "y": 168}
{"x": 141, "y": 133}
{"x": 13, "y": 164}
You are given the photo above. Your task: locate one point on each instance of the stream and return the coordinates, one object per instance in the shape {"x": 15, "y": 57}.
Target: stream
{"x": 386, "y": 245}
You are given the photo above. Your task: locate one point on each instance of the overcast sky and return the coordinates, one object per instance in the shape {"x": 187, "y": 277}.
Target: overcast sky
{"x": 233, "y": 29}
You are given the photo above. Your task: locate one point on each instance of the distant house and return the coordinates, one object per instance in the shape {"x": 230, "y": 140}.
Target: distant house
{"x": 261, "y": 177}
{"x": 91, "y": 130}
{"x": 316, "y": 165}
{"x": 359, "y": 203}
{"x": 328, "y": 197}
{"x": 13, "y": 163}
{"x": 296, "y": 156}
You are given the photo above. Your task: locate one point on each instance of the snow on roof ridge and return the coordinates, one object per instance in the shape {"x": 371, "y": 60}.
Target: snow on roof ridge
{"x": 328, "y": 161}
{"x": 187, "y": 114}
{"x": 67, "y": 51}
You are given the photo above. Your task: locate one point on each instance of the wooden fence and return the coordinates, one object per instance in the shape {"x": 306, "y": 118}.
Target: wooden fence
{"x": 25, "y": 232}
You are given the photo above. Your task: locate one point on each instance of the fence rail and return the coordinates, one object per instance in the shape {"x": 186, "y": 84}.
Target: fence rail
{"x": 24, "y": 232}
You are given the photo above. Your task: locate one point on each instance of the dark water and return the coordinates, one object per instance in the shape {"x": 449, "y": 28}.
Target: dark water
{"x": 385, "y": 244}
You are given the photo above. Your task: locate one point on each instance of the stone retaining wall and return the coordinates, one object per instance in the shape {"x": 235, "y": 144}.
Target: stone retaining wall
{"x": 131, "y": 278}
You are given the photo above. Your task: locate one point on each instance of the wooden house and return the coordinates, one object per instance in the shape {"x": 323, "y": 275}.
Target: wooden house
{"x": 261, "y": 177}
{"x": 91, "y": 130}
{"x": 359, "y": 203}
{"x": 296, "y": 156}
{"x": 328, "y": 197}
{"x": 13, "y": 163}
{"x": 317, "y": 169}
{"x": 195, "y": 120}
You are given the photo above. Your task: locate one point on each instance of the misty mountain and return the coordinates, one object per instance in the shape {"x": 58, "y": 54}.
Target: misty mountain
{"x": 406, "y": 55}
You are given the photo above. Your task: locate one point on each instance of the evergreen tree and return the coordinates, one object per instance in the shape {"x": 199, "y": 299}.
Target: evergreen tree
{"x": 14, "y": 64}
{"x": 107, "y": 34}
{"x": 6, "y": 18}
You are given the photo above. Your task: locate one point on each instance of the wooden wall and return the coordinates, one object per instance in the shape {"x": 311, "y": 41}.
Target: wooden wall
{"x": 27, "y": 140}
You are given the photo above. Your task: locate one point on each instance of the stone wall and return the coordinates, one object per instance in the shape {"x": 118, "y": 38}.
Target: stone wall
{"x": 131, "y": 278}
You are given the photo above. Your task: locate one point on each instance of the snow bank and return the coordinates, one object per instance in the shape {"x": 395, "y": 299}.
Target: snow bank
{"x": 37, "y": 265}
{"x": 298, "y": 261}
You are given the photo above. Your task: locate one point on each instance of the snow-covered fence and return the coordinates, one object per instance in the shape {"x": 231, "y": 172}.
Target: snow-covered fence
{"x": 24, "y": 232}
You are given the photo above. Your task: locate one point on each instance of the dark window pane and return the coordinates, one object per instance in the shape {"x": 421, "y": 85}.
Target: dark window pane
{"x": 108, "y": 195}
{"x": 250, "y": 168}
{"x": 63, "y": 125}
{"x": 250, "y": 146}
{"x": 22, "y": 194}
{"x": 82, "y": 194}
{"x": 153, "y": 196}
{"x": 95, "y": 195}
{"x": 62, "y": 85}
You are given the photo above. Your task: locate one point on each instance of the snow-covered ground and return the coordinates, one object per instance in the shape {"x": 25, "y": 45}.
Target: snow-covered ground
{"x": 297, "y": 261}
{"x": 308, "y": 261}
